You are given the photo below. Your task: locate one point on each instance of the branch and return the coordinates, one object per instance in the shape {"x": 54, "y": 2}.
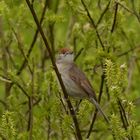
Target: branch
{"x": 51, "y": 27}
{"x": 20, "y": 46}
{"x": 115, "y": 18}
{"x": 103, "y": 13}
{"x": 130, "y": 11}
{"x": 72, "y": 112}
{"x": 124, "y": 118}
{"x": 93, "y": 23}
{"x": 30, "y": 104}
{"x": 62, "y": 102}
{"x": 9, "y": 53}
{"x": 21, "y": 88}
{"x": 123, "y": 115}
{"x": 8, "y": 80}
{"x": 134, "y": 10}
{"x": 31, "y": 46}
{"x": 96, "y": 110}
{"x": 30, "y": 119}
{"x": 124, "y": 7}
{"x": 78, "y": 54}
{"x": 33, "y": 41}
{"x": 130, "y": 50}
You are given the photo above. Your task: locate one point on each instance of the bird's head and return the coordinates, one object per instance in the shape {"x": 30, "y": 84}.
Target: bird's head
{"x": 65, "y": 55}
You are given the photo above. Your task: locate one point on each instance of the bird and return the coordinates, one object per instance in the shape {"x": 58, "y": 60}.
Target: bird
{"x": 74, "y": 79}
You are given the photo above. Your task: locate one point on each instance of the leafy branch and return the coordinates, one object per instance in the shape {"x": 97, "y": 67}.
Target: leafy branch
{"x": 72, "y": 112}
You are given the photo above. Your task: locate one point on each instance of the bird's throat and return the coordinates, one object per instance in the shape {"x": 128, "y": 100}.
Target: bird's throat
{"x": 63, "y": 67}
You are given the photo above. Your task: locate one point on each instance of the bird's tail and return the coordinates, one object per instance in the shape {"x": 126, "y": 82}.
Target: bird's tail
{"x": 99, "y": 109}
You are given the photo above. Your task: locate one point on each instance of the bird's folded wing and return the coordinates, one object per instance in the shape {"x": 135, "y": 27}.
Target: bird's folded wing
{"x": 80, "y": 79}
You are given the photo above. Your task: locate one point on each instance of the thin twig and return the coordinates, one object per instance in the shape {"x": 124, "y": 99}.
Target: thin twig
{"x": 49, "y": 128}
{"x": 51, "y": 28}
{"x": 123, "y": 111}
{"x": 78, "y": 54}
{"x": 34, "y": 103}
{"x": 33, "y": 41}
{"x": 124, "y": 118}
{"x": 128, "y": 51}
{"x": 135, "y": 12}
{"x": 5, "y": 79}
{"x": 96, "y": 110}
{"x": 8, "y": 80}
{"x": 30, "y": 118}
{"x": 22, "y": 89}
{"x": 93, "y": 23}
{"x": 74, "y": 45}
{"x": 72, "y": 112}
{"x": 115, "y": 18}
{"x": 5, "y": 68}
{"x": 124, "y": 7}
{"x": 101, "y": 87}
{"x": 9, "y": 53}
{"x": 61, "y": 100}
{"x": 20, "y": 46}
{"x": 30, "y": 104}
{"x": 128, "y": 10}
{"x": 107, "y": 91}
{"x": 31, "y": 46}
{"x": 103, "y": 13}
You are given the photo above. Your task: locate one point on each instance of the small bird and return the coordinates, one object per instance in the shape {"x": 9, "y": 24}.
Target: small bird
{"x": 75, "y": 81}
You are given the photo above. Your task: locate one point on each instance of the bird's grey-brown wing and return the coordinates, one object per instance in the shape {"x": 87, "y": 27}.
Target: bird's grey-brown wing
{"x": 80, "y": 79}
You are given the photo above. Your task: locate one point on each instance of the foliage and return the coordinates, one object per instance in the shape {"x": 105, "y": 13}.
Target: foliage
{"x": 105, "y": 34}
{"x": 8, "y": 126}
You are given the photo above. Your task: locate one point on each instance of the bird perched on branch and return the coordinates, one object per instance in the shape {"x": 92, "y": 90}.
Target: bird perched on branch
{"x": 76, "y": 83}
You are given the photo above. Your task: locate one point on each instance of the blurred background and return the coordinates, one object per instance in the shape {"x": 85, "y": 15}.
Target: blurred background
{"x": 105, "y": 38}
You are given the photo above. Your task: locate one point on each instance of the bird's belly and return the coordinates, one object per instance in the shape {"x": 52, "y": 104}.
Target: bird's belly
{"x": 72, "y": 88}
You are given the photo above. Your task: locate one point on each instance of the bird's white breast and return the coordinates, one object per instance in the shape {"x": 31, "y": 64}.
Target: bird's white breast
{"x": 72, "y": 88}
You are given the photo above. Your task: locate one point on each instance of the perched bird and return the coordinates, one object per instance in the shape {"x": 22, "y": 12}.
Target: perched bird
{"x": 76, "y": 83}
